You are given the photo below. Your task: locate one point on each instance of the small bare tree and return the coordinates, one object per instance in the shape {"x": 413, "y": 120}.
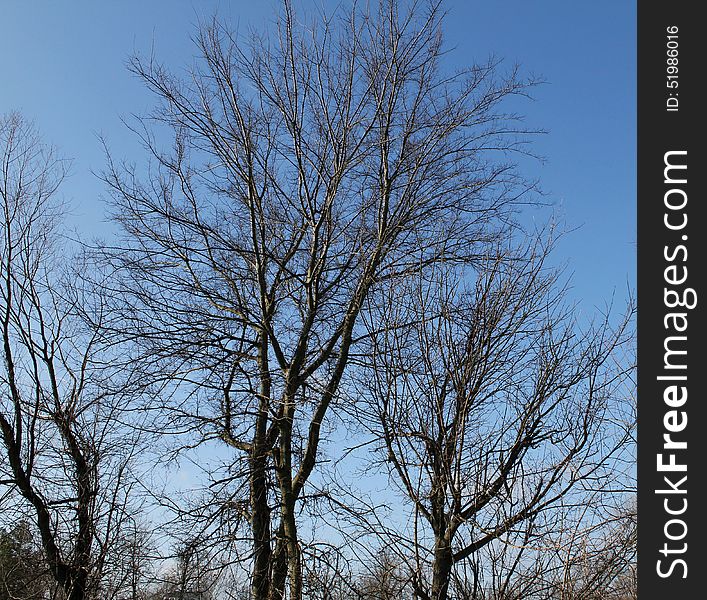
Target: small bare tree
{"x": 493, "y": 409}
{"x": 23, "y": 573}
{"x": 64, "y": 462}
{"x": 304, "y": 171}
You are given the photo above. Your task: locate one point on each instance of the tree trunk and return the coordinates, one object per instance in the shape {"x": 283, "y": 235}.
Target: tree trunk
{"x": 77, "y": 587}
{"x": 294, "y": 568}
{"x": 288, "y": 517}
{"x": 278, "y": 573}
{"x": 259, "y": 507}
{"x": 441, "y": 568}
{"x": 260, "y": 524}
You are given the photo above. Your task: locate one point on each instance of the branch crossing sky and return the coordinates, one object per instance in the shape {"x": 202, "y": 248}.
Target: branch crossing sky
{"x": 63, "y": 66}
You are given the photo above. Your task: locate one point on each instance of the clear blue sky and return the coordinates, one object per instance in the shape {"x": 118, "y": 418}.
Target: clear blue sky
{"x": 63, "y": 66}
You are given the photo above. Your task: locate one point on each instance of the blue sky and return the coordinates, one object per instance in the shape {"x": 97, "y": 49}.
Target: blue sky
{"x": 63, "y": 66}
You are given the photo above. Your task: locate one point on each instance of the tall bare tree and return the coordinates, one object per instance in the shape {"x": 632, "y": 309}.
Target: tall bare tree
{"x": 493, "y": 407}
{"x": 304, "y": 170}
{"x": 64, "y": 462}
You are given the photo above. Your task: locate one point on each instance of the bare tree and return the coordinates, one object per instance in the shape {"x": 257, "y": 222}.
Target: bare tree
{"x": 64, "y": 464}
{"x": 194, "y": 576}
{"x": 596, "y": 557}
{"x": 303, "y": 171}
{"x": 587, "y": 557}
{"x": 387, "y": 580}
{"x": 23, "y": 573}
{"x": 493, "y": 407}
